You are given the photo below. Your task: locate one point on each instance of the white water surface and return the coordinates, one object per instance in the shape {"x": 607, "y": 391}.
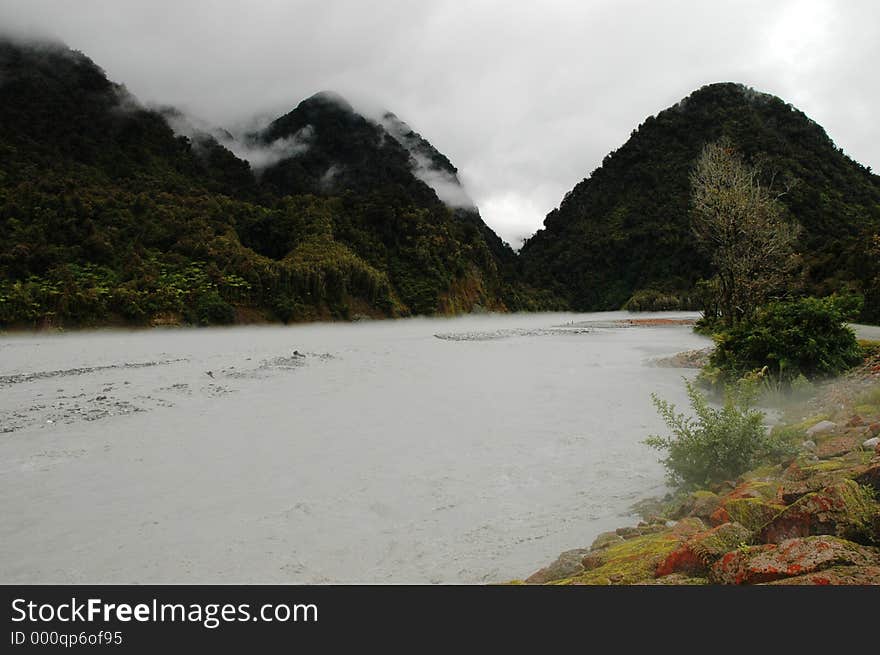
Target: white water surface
{"x": 463, "y": 450}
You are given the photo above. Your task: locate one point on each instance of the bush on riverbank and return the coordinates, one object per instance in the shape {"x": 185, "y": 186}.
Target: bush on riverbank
{"x": 652, "y": 300}
{"x": 804, "y": 338}
{"x": 718, "y": 444}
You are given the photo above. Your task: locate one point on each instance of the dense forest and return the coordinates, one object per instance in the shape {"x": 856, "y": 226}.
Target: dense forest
{"x": 107, "y": 215}
{"x": 623, "y": 235}
{"x": 115, "y": 213}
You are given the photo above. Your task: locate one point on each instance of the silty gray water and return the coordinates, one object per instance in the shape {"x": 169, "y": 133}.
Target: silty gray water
{"x": 465, "y": 450}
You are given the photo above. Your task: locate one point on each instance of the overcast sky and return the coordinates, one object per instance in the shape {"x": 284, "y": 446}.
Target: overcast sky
{"x": 525, "y": 98}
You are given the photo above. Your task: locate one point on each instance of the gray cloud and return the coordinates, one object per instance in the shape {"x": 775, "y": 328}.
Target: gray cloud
{"x": 524, "y": 98}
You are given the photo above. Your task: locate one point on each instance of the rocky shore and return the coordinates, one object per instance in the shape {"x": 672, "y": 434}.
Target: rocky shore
{"x": 811, "y": 520}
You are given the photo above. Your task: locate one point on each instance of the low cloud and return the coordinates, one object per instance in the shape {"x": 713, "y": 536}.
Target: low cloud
{"x": 262, "y": 156}
{"x": 446, "y": 185}
{"x": 525, "y": 98}
{"x": 242, "y": 143}
{"x": 445, "y": 182}
{"x": 329, "y": 177}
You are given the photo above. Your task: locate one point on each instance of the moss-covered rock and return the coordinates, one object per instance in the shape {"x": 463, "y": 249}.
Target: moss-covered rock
{"x": 836, "y": 446}
{"x": 753, "y": 513}
{"x": 697, "y": 554}
{"x": 765, "y": 473}
{"x": 606, "y": 539}
{"x": 805, "y": 424}
{"x": 640, "y": 530}
{"x": 677, "y": 579}
{"x": 869, "y": 476}
{"x": 629, "y": 562}
{"x": 843, "y": 509}
{"x": 704, "y": 504}
{"x": 564, "y": 566}
{"x": 836, "y": 575}
{"x": 791, "y": 558}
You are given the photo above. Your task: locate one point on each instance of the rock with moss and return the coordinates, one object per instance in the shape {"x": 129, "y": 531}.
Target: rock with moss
{"x": 752, "y": 503}
{"x": 700, "y": 503}
{"x": 640, "y": 530}
{"x": 837, "y": 446}
{"x": 677, "y": 579}
{"x": 651, "y": 510}
{"x": 822, "y": 427}
{"x": 565, "y": 566}
{"x": 844, "y": 509}
{"x": 790, "y": 558}
{"x": 606, "y": 539}
{"x": 869, "y": 476}
{"x": 753, "y": 513}
{"x": 634, "y": 560}
{"x": 629, "y": 562}
{"x": 836, "y": 575}
{"x": 697, "y": 554}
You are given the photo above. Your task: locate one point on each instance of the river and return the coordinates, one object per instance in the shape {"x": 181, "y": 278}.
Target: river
{"x": 462, "y": 450}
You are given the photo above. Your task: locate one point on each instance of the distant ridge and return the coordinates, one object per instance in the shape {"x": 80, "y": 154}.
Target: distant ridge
{"x": 112, "y": 212}
{"x": 626, "y": 227}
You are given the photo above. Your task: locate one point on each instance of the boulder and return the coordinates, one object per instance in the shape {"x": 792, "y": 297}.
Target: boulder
{"x": 753, "y": 513}
{"x": 814, "y": 478}
{"x": 793, "y": 491}
{"x": 822, "y": 427}
{"x": 700, "y": 503}
{"x": 651, "y": 510}
{"x": 634, "y": 561}
{"x": 871, "y": 444}
{"x": 698, "y": 553}
{"x": 676, "y": 579}
{"x": 791, "y": 558}
{"x": 628, "y": 562}
{"x": 870, "y": 476}
{"x": 565, "y": 566}
{"x": 606, "y": 539}
{"x": 705, "y": 503}
{"x": 761, "y": 491}
{"x": 836, "y": 446}
{"x": 840, "y": 509}
{"x": 836, "y": 575}
{"x": 641, "y": 530}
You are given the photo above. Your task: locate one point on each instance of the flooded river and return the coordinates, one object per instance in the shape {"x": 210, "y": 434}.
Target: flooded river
{"x": 463, "y": 450}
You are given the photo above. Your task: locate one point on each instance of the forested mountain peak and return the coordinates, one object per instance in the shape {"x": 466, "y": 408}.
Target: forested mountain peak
{"x": 111, "y": 211}
{"x": 327, "y": 146}
{"x": 626, "y": 227}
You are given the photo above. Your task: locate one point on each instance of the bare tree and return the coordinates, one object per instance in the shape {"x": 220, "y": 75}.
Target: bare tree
{"x": 740, "y": 223}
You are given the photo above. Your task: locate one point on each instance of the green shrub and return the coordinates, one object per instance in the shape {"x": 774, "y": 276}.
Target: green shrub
{"x": 651, "y": 300}
{"x": 715, "y": 444}
{"x": 285, "y": 308}
{"x": 806, "y": 337}
{"x": 211, "y": 309}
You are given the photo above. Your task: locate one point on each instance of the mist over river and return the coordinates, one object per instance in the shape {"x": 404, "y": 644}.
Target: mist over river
{"x": 461, "y": 450}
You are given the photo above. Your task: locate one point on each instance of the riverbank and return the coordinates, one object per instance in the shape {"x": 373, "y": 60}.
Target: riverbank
{"x": 811, "y": 520}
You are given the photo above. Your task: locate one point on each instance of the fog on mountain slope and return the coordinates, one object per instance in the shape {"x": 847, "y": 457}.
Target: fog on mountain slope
{"x": 105, "y": 209}
{"x": 153, "y": 226}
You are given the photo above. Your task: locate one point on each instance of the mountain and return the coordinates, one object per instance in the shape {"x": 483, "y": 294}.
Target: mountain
{"x": 625, "y": 228}
{"x": 112, "y": 212}
{"x": 378, "y": 167}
